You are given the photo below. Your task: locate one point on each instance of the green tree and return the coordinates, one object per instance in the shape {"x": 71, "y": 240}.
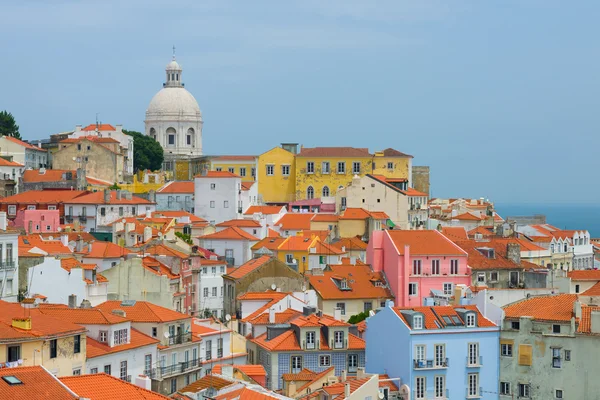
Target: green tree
{"x": 147, "y": 152}
{"x": 185, "y": 237}
{"x": 8, "y": 125}
{"x": 355, "y": 319}
{"x": 114, "y": 186}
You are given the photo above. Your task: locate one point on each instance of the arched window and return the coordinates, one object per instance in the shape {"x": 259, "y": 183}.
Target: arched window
{"x": 153, "y": 133}
{"x": 190, "y": 137}
{"x": 310, "y": 193}
{"x": 325, "y": 191}
{"x": 171, "y": 133}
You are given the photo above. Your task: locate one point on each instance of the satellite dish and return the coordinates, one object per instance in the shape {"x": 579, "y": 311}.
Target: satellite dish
{"x": 166, "y": 335}
{"x": 227, "y": 317}
{"x": 273, "y": 286}
{"x": 294, "y": 261}
{"x": 381, "y": 396}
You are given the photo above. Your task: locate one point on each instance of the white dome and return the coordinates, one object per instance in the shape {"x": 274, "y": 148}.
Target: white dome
{"x": 173, "y": 102}
{"x": 173, "y": 66}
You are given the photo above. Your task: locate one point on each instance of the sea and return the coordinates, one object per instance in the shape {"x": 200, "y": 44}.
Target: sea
{"x": 561, "y": 215}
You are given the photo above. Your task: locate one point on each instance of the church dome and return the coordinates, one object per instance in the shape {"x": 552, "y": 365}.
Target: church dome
{"x": 173, "y": 102}
{"x": 173, "y": 66}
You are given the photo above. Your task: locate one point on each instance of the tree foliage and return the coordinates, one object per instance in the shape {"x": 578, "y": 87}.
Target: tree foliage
{"x": 8, "y": 125}
{"x": 147, "y": 152}
{"x": 355, "y": 319}
{"x": 185, "y": 237}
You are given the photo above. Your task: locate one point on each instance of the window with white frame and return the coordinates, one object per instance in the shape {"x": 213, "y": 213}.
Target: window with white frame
{"x": 103, "y": 336}
{"x": 342, "y": 307}
{"x": 289, "y": 258}
{"x": 120, "y": 336}
{"x": 285, "y": 170}
{"x": 325, "y": 191}
{"x": 338, "y": 340}
{"x": 524, "y": 390}
{"x": 505, "y": 388}
{"x": 325, "y": 361}
{"x": 473, "y": 389}
{"x": 123, "y": 370}
{"x": 270, "y": 170}
{"x": 12, "y": 210}
{"x": 470, "y": 320}
{"x": 390, "y": 165}
{"x": 212, "y": 204}
{"x": 448, "y": 289}
{"x": 439, "y": 351}
{"x": 205, "y": 292}
{"x": 420, "y": 387}
{"x": 494, "y": 276}
{"x": 412, "y": 289}
{"x": 325, "y": 167}
{"x": 356, "y": 167}
{"x": 435, "y": 267}
{"x": 417, "y": 267}
{"x": 453, "y": 267}
{"x": 225, "y": 204}
{"x": 481, "y": 277}
{"x": 242, "y": 171}
{"x": 352, "y": 362}
{"x": 310, "y": 340}
{"x": 473, "y": 353}
{"x": 310, "y": 167}
{"x": 417, "y": 322}
{"x": 341, "y": 167}
{"x": 440, "y": 387}
{"x": 558, "y": 394}
{"x": 310, "y": 192}
{"x": 506, "y": 349}
{"x": 296, "y": 364}
{"x": 556, "y": 358}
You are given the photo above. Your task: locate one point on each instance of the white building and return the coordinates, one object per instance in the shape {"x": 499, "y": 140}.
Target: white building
{"x": 97, "y": 210}
{"x": 9, "y": 261}
{"x": 59, "y": 279}
{"x": 216, "y": 346}
{"x": 115, "y": 132}
{"x": 248, "y": 196}
{"x": 30, "y": 156}
{"x": 271, "y": 214}
{"x": 233, "y": 243}
{"x": 173, "y": 118}
{"x": 176, "y": 196}
{"x": 211, "y": 289}
{"x": 217, "y": 195}
{"x": 11, "y": 171}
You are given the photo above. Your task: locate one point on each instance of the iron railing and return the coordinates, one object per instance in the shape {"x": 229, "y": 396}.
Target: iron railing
{"x": 7, "y": 265}
{"x": 174, "y": 369}
{"x": 430, "y": 364}
{"x": 179, "y": 338}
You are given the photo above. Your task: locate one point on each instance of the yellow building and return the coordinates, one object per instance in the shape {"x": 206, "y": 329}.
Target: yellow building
{"x": 244, "y": 166}
{"x": 38, "y": 339}
{"x": 276, "y": 175}
{"x": 392, "y": 164}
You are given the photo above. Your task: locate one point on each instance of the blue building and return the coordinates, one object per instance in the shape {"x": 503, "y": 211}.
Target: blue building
{"x": 440, "y": 352}
{"x": 308, "y": 341}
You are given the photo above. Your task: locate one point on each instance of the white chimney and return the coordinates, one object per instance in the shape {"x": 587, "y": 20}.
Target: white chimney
{"x": 144, "y": 382}
{"x": 347, "y": 390}
{"x": 344, "y": 376}
{"x": 227, "y": 370}
{"x": 64, "y": 239}
{"x": 148, "y": 214}
{"x": 3, "y": 221}
{"x": 271, "y": 315}
{"x": 337, "y": 314}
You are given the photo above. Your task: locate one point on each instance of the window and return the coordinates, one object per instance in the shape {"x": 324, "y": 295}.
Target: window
{"x": 296, "y": 364}
{"x": 558, "y": 394}
{"x": 470, "y": 320}
{"x": 173, "y": 385}
{"x": 524, "y": 390}
{"x": 208, "y": 349}
{"x": 310, "y": 340}
{"x": 147, "y": 363}
{"x": 515, "y": 325}
{"x": 440, "y": 387}
{"x": 213, "y": 186}
{"x": 14, "y": 353}
{"x": 214, "y": 291}
{"x": 103, "y": 336}
{"x": 356, "y": 167}
{"x": 341, "y": 167}
{"x": 473, "y": 353}
{"x": 189, "y": 140}
{"x": 506, "y": 349}
{"x": 12, "y": 210}
{"x": 120, "y": 211}
{"x": 453, "y": 267}
{"x": 440, "y": 355}
{"x": 555, "y": 328}
{"x": 231, "y": 170}
{"x": 324, "y": 361}
{"x": 505, "y": 388}
{"x": 412, "y": 289}
{"x": 154, "y": 331}
{"x": 368, "y": 306}
{"x": 417, "y": 322}
{"x": 494, "y": 276}
{"x": 325, "y": 167}
{"x": 420, "y": 387}
{"x": 120, "y": 336}
{"x": 338, "y": 340}
{"x": 205, "y": 292}
{"x": 285, "y": 170}
{"x": 77, "y": 344}
{"x": 103, "y": 211}
{"x": 310, "y": 167}
{"x": 310, "y": 193}
{"x": 225, "y": 204}
{"x": 213, "y": 270}
{"x": 53, "y": 348}
{"x": 567, "y": 355}
{"x": 352, "y": 362}
{"x": 51, "y": 207}
{"x": 473, "y": 389}
{"x": 93, "y": 370}
{"x": 123, "y": 370}
{"x": 525, "y": 354}
{"x": 242, "y": 171}
{"x": 270, "y": 170}
{"x": 253, "y": 172}
{"x": 435, "y": 267}
{"x": 219, "y": 348}
{"x": 576, "y": 288}
{"x": 107, "y": 369}
{"x": 342, "y": 307}
{"x": 556, "y": 360}
{"x": 325, "y": 191}
{"x": 171, "y": 140}
{"x": 390, "y": 165}
{"x": 212, "y": 204}
{"x": 448, "y": 289}
{"x": 416, "y": 267}
{"x": 481, "y": 277}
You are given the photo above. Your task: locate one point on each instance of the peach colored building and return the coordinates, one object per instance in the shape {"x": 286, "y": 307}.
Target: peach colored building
{"x": 422, "y": 267}
{"x": 38, "y": 221}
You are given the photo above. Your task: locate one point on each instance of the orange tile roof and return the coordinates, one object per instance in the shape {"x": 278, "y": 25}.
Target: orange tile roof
{"x": 5, "y": 163}
{"x": 69, "y": 263}
{"x": 270, "y": 243}
{"x": 485, "y": 231}
{"x": 585, "y": 322}
{"x": 52, "y": 247}
{"x": 105, "y": 387}
{"x": 38, "y": 384}
{"x": 351, "y": 243}
{"x": 270, "y": 297}
{"x": 297, "y": 243}
{"x": 163, "y": 250}
{"x": 360, "y": 279}
{"x": 355, "y": 213}
{"x": 304, "y": 375}
{"x": 337, "y": 390}
{"x": 280, "y": 317}
{"x": 204, "y": 382}
{"x": 584, "y": 275}
{"x": 248, "y": 369}
{"x": 295, "y": 221}
{"x": 557, "y": 308}
{"x": 325, "y": 248}
{"x": 433, "y": 319}
{"x": 91, "y": 138}
{"x": 593, "y": 291}
{"x": 178, "y": 187}
{"x": 325, "y": 218}
{"x": 136, "y": 339}
{"x": 178, "y": 215}
{"x": 424, "y": 242}
{"x": 231, "y": 233}
{"x": 240, "y": 223}
{"x": 265, "y": 210}
{"x": 43, "y": 197}
{"x": 98, "y": 198}
{"x": 22, "y": 143}
{"x": 101, "y": 249}
{"x": 217, "y": 174}
{"x": 379, "y": 215}
{"x": 247, "y": 185}
{"x": 143, "y": 311}
{"x": 478, "y": 261}
{"x": 468, "y": 217}
{"x": 414, "y": 193}
{"x": 83, "y": 316}
{"x": 97, "y": 182}
{"x": 383, "y": 382}
{"x": 389, "y": 152}
{"x": 343, "y": 152}
{"x": 455, "y": 232}
{"x": 248, "y": 267}
{"x": 99, "y": 127}
{"x": 272, "y": 234}
{"x": 156, "y": 267}
{"x": 50, "y": 175}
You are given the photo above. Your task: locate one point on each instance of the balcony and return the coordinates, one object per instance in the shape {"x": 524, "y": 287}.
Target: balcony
{"x": 474, "y": 393}
{"x": 431, "y": 364}
{"x": 7, "y": 265}
{"x": 431, "y": 394}
{"x": 179, "y": 338}
{"x": 82, "y": 218}
{"x": 175, "y": 369}
{"x": 474, "y": 362}
{"x": 68, "y": 218}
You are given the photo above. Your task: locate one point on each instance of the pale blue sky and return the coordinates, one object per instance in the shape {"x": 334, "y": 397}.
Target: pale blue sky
{"x": 500, "y": 98}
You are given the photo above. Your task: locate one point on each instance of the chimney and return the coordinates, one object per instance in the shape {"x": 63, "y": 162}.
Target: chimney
{"x": 77, "y": 128}
{"x": 64, "y": 239}
{"x": 118, "y": 194}
{"x": 3, "y": 221}
{"x": 347, "y": 390}
{"x": 337, "y": 314}
{"x": 147, "y": 234}
{"x": 106, "y": 195}
{"x": 79, "y": 245}
{"x": 144, "y": 382}
{"x": 119, "y": 128}
{"x": 595, "y": 322}
{"x": 271, "y": 315}
{"x": 128, "y": 195}
{"x": 513, "y": 252}
{"x": 72, "y": 301}
{"x": 85, "y": 304}
{"x": 148, "y": 214}
{"x": 290, "y": 389}
{"x": 119, "y": 312}
{"x": 360, "y": 373}
{"x": 22, "y": 323}
{"x": 89, "y": 247}
{"x": 152, "y": 196}
{"x": 577, "y": 308}
{"x": 344, "y": 376}
{"x": 227, "y": 370}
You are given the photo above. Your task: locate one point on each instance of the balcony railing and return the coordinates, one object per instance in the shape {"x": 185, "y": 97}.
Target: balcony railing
{"x": 431, "y": 394}
{"x": 473, "y": 394}
{"x": 7, "y": 265}
{"x": 82, "y": 218}
{"x": 219, "y": 353}
{"x": 431, "y": 364}
{"x": 68, "y": 218}
{"x": 474, "y": 362}
{"x": 179, "y": 338}
{"x": 175, "y": 369}
{"x": 340, "y": 345}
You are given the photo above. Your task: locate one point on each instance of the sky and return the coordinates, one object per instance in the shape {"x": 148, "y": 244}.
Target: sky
{"x": 499, "y": 98}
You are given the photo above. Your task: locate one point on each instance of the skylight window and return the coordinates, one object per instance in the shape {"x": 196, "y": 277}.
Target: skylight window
{"x": 12, "y": 380}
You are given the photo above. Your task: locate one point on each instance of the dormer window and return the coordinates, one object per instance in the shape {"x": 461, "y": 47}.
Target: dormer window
{"x": 417, "y": 322}
{"x": 344, "y": 284}
{"x": 471, "y": 320}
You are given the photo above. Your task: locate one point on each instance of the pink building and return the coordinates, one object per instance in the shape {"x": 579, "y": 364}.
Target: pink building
{"x": 38, "y": 221}
{"x": 421, "y": 266}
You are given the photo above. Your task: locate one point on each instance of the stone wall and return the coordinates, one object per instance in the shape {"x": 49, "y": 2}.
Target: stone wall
{"x": 420, "y": 178}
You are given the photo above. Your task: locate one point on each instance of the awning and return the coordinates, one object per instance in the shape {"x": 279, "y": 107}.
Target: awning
{"x": 390, "y": 223}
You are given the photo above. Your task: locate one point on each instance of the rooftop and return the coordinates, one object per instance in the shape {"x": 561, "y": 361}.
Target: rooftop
{"x": 217, "y": 174}
{"x": 265, "y": 210}
{"x": 341, "y": 152}
{"x": 439, "y": 317}
{"x": 44, "y": 197}
{"x": 98, "y": 198}
{"x": 424, "y": 242}
{"x": 558, "y": 308}
{"x": 106, "y": 387}
{"x": 136, "y": 339}
{"x": 177, "y": 187}
{"x": 35, "y": 383}
{"x": 231, "y": 233}
{"x": 248, "y": 267}
{"x": 350, "y": 282}
{"x": 295, "y": 221}
{"x": 83, "y": 316}
{"x": 143, "y": 311}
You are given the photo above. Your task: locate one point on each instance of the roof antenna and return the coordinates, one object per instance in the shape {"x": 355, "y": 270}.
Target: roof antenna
{"x": 97, "y": 127}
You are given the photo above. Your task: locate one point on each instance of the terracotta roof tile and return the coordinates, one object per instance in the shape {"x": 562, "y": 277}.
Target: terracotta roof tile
{"x": 163, "y": 250}
{"x": 389, "y": 152}
{"x": 485, "y": 231}
{"x": 280, "y": 317}
{"x": 48, "y": 175}
{"x": 248, "y": 267}
{"x": 43, "y": 197}
{"x": 304, "y": 375}
{"x": 52, "y": 247}
{"x": 270, "y": 243}
{"x": 295, "y": 221}
{"x": 297, "y": 243}
{"x": 414, "y": 193}
{"x": 337, "y": 390}
{"x": 248, "y": 369}
{"x": 240, "y": 223}
{"x": 91, "y": 138}
{"x": 104, "y": 387}
{"x": 360, "y": 280}
{"x": 455, "y": 232}
{"x": 204, "y": 382}
{"x": 98, "y": 198}
{"x": 265, "y": 210}
{"x": 424, "y": 242}
{"x": 585, "y": 322}
{"x": 177, "y": 187}
{"x": 143, "y": 311}
{"x": 320, "y": 217}
{"x": 584, "y": 275}
{"x": 99, "y": 127}
{"x": 83, "y": 316}
{"x": 217, "y": 174}
{"x": 231, "y": 233}
{"x": 343, "y": 152}
{"x": 557, "y": 308}
{"x": 136, "y": 339}
{"x": 433, "y": 315}
{"x": 355, "y": 213}
{"x": 22, "y": 143}
{"x": 101, "y": 249}
{"x": 38, "y": 384}
{"x": 593, "y": 291}
{"x": 479, "y": 261}
{"x": 468, "y": 217}
{"x": 5, "y": 163}
{"x": 158, "y": 268}
{"x": 351, "y": 243}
